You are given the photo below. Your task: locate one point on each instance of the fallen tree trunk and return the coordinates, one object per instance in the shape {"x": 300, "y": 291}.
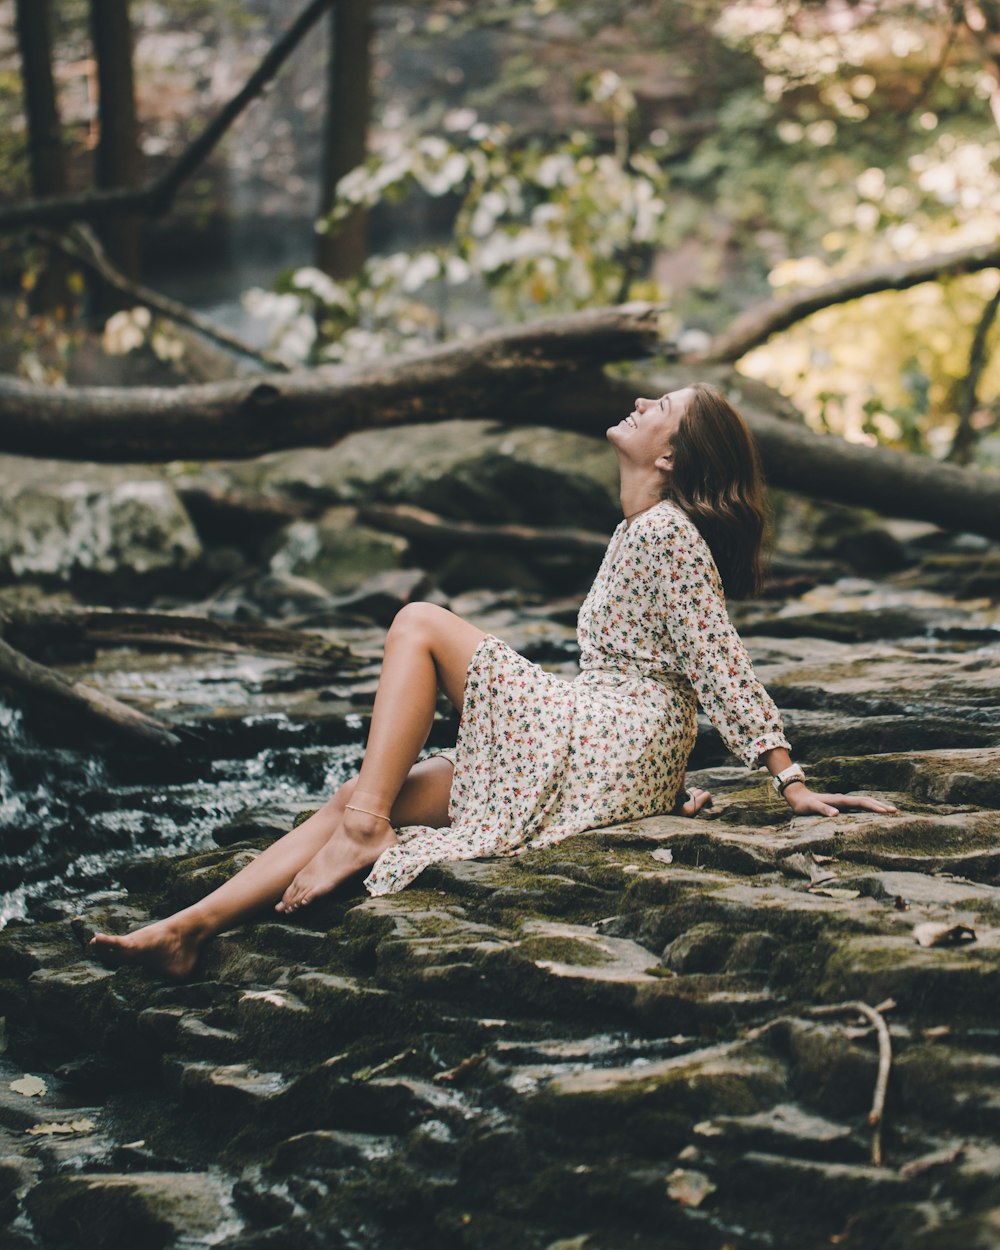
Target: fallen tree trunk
{"x": 31, "y": 628}
{"x": 548, "y": 373}
{"x": 428, "y": 527}
{"x": 824, "y": 466}
{"x": 34, "y": 683}
{"x": 509, "y": 374}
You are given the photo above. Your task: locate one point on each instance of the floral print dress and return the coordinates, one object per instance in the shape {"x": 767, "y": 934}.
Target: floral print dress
{"x": 540, "y": 757}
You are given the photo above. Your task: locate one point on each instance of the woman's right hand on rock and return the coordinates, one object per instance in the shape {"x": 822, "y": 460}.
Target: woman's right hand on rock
{"x": 804, "y": 802}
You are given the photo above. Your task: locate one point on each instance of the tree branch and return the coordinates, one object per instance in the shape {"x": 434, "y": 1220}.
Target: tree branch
{"x": 428, "y": 527}
{"x": 519, "y": 373}
{"x": 965, "y": 436}
{"x": 32, "y": 628}
{"x": 759, "y": 323}
{"x": 82, "y": 245}
{"x": 155, "y": 197}
{"x": 23, "y": 677}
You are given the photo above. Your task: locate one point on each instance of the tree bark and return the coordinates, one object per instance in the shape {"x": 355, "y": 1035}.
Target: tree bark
{"x": 524, "y": 373}
{"x": 117, "y": 156}
{"x": 33, "y": 629}
{"x": 34, "y": 683}
{"x": 156, "y": 196}
{"x": 759, "y": 323}
{"x": 548, "y": 373}
{"x": 46, "y": 154}
{"x": 342, "y": 251}
{"x": 427, "y": 527}
{"x": 82, "y": 244}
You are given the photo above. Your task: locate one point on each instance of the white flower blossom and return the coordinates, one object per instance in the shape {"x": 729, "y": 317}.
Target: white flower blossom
{"x": 126, "y": 330}
{"x": 422, "y": 269}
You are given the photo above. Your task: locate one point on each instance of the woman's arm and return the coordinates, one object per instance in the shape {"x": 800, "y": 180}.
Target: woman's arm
{"x": 716, "y": 663}
{"x": 804, "y": 802}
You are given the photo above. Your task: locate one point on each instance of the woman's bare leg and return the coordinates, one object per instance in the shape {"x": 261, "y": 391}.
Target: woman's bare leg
{"x": 422, "y": 633}
{"x": 171, "y": 946}
{"x": 426, "y": 647}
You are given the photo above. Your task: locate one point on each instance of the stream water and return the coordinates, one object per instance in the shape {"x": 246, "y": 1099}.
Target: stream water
{"x": 68, "y": 818}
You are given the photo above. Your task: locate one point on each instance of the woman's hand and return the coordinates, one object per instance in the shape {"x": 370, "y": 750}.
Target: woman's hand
{"x": 804, "y": 802}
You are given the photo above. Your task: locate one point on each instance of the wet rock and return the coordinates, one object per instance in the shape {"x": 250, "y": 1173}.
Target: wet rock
{"x": 469, "y": 470}
{"x": 379, "y": 598}
{"x": 118, "y": 1212}
{"x": 123, "y": 532}
{"x": 337, "y": 552}
{"x": 523, "y": 1052}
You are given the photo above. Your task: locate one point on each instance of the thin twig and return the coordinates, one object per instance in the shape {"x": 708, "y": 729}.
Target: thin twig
{"x": 874, "y": 1016}
{"x": 82, "y": 245}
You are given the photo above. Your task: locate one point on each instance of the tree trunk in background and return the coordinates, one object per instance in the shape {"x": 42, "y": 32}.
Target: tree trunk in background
{"x": 345, "y": 140}
{"x": 117, "y": 162}
{"x": 46, "y": 155}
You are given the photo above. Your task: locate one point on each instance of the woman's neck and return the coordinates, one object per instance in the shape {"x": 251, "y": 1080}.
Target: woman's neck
{"x": 638, "y": 494}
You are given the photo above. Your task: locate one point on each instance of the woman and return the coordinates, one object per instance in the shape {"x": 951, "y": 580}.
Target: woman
{"x": 539, "y": 758}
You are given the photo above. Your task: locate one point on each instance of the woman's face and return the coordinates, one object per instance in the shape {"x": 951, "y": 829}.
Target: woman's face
{"x": 646, "y": 434}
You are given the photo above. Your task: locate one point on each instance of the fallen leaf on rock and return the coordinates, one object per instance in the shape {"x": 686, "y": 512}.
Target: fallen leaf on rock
{"x": 834, "y": 891}
{"x": 50, "y": 1128}
{"x": 29, "y": 1086}
{"x": 664, "y": 855}
{"x": 936, "y": 934}
{"x": 689, "y": 1188}
{"x": 799, "y": 865}
{"x": 706, "y": 1128}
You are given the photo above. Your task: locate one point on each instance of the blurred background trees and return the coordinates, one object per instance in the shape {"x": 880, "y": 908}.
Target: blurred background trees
{"x": 503, "y": 161}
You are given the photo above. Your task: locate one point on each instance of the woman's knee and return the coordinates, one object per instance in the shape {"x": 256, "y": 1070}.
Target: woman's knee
{"x": 418, "y": 620}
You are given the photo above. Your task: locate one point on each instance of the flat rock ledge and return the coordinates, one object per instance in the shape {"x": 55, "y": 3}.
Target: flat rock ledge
{"x": 607, "y": 1044}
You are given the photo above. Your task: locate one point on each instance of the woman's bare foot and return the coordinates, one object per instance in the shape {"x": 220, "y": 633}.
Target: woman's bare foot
{"x": 357, "y": 844}
{"x": 165, "y": 947}
{"x": 696, "y": 800}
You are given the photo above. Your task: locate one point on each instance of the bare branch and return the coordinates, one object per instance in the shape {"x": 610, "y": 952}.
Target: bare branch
{"x": 83, "y": 245}
{"x": 36, "y": 683}
{"x": 965, "y": 435}
{"x": 427, "y": 527}
{"x": 156, "y": 196}
{"x": 759, "y": 323}
{"x": 874, "y": 1017}
{"x": 33, "y": 627}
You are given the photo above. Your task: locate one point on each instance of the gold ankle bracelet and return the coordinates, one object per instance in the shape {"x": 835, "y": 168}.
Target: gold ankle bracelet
{"x": 350, "y": 807}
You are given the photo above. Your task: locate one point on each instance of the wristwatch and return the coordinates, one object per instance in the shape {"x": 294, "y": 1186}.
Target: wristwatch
{"x": 785, "y": 778}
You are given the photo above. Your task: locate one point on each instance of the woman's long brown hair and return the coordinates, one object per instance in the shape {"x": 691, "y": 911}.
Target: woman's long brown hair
{"x": 717, "y": 481}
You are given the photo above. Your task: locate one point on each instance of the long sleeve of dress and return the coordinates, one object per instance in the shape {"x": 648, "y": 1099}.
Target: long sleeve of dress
{"x": 710, "y": 652}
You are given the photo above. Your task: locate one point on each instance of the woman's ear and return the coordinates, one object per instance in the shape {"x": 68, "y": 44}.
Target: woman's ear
{"x": 664, "y": 463}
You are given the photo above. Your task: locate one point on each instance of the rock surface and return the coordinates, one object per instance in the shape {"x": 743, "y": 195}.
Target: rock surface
{"x": 93, "y": 526}
{"x": 608, "y": 1043}
{"x": 611, "y": 1043}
